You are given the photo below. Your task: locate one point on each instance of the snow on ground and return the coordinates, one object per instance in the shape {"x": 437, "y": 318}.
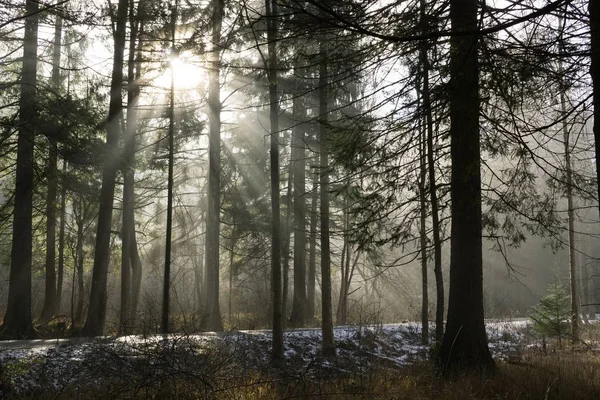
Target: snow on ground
{"x": 123, "y": 360}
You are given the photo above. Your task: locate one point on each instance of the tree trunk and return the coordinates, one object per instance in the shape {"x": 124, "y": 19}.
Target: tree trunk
{"x": 169, "y": 228}
{"x": 212, "y": 314}
{"x": 312, "y": 262}
{"x": 18, "y": 319}
{"x": 49, "y": 307}
{"x": 299, "y": 302}
{"x": 328, "y": 345}
{"x": 231, "y": 273}
{"x": 277, "y": 350}
{"x": 94, "y": 325}
{"x": 569, "y": 189}
{"x": 61, "y": 240}
{"x": 423, "y": 235}
{"x": 127, "y": 229}
{"x": 437, "y": 243}
{"x": 594, "y": 11}
{"x": 286, "y": 247}
{"x": 465, "y": 341}
{"x": 79, "y": 258}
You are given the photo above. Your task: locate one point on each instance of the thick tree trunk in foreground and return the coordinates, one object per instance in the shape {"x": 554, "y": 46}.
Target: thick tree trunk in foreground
{"x": 276, "y": 290}
{"x": 328, "y": 345}
{"x": 465, "y": 344}
{"x": 212, "y": 314}
{"x": 18, "y": 319}
{"x": 94, "y": 325}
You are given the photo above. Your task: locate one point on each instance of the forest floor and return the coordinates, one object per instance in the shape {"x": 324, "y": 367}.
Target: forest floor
{"x": 381, "y": 361}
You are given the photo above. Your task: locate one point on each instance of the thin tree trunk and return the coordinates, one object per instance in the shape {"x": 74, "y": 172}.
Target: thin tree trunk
{"x": 49, "y": 307}
{"x": 277, "y": 350}
{"x": 96, "y": 316}
{"x": 569, "y": 189}
{"x": 231, "y": 274}
{"x": 594, "y": 13}
{"x": 127, "y": 229}
{"x": 167, "y": 271}
{"x": 79, "y": 265}
{"x": 299, "y": 302}
{"x": 212, "y": 319}
{"x": 18, "y": 319}
{"x": 437, "y": 243}
{"x": 328, "y": 345}
{"x": 465, "y": 343}
{"x": 61, "y": 240}
{"x": 312, "y": 262}
{"x": 423, "y": 239}
{"x": 286, "y": 247}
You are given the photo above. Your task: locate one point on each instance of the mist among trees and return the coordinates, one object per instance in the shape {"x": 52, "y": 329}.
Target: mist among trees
{"x": 185, "y": 166}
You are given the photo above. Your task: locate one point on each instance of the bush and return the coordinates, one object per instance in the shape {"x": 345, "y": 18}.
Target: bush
{"x": 552, "y": 315}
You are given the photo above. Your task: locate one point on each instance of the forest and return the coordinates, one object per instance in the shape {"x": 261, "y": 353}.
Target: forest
{"x": 195, "y": 182}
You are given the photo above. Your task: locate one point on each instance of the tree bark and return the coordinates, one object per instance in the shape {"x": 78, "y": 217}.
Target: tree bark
{"x": 94, "y": 325}
{"x": 49, "y": 307}
{"x": 423, "y": 235}
{"x": 61, "y": 240}
{"x": 212, "y": 314}
{"x": 169, "y": 228}
{"x": 18, "y": 319}
{"x": 328, "y": 345}
{"x": 312, "y": 262}
{"x": 79, "y": 259}
{"x": 437, "y": 243}
{"x": 594, "y": 11}
{"x": 465, "y": 341}
{"x": 276, "y": 292}
{"x": 286, "y": 247}
{"x": 127, "y": 228}
{"x": 299, "y": 302}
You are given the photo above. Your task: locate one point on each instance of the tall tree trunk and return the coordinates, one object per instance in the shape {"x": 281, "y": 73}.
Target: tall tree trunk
{"x": 199, "y": 271}
{"x": 61, "y": 239}
{"x": 312, "y": 261}
{"x": 212, "y": 314}
{"x": 423, "y": 236}
{"x": 49, "y": 307}
{"x": 79, "y": 259}
{"x": 437, "y": 243}
{"x": 328, "y": 345}
{"x": 594, "y": 11}
{"x": 18, "y": 319}
{"x": 129, "y": 178}
{"x": 127, "y": 229}
{"x": 286, "y": 246}
{"x": 167, "y": 271}
{"x": 231, "y": 273}
{"x": 299, "y": 302}
{"x": 465, "y": 343}
{"x": 277, "y": 350}
{"x": 569, "y": 189}
{"x": 94, "y": 325}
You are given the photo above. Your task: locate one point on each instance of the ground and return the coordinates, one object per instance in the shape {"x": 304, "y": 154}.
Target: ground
{"x": 223, "y": 366}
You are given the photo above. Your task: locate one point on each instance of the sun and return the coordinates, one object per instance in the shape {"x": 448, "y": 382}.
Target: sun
{"x": 187, "y": 74}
